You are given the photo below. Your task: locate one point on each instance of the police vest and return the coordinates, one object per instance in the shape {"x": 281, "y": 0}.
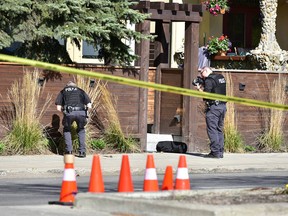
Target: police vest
{"x": 220, "y": 83}
{"x": 73, "y": 96}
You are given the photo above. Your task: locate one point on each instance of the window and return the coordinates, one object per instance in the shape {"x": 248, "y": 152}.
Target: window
{"x": 88, "y": 51}
{"x": 242, "y": 23}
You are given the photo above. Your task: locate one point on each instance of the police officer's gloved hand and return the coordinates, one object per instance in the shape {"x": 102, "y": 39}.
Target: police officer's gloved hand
{"x": 199, "y": 87}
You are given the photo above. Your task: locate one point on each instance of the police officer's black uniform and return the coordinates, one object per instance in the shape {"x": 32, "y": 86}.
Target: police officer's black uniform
{"x": 215, "y": 113}
{"x": 73, "y": 101}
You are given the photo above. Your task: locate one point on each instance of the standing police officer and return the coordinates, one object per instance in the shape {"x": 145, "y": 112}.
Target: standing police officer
{"x": 74, "y": 103}
{"x": 215, "y": 111}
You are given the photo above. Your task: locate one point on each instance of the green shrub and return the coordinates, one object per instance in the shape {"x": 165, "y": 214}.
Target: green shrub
{"x": 115, "y": 139}
{"x": 271, "y": 141}
{"x": 233, "y": 140}
{"x": 249, "y": 148}
{"x": 26, "y": 139}
{"x": 98, "y": 144}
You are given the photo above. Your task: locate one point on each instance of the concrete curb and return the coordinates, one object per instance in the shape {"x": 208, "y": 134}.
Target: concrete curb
{"x": 158, "y": 203}
{"x": 136, "y": 206}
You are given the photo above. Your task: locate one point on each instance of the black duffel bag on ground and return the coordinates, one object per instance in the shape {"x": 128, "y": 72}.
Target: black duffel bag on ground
{"x": 171, "y": 146}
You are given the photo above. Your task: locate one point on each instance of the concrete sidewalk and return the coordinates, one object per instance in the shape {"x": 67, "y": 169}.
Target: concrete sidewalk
{"x": 111, "y": 163}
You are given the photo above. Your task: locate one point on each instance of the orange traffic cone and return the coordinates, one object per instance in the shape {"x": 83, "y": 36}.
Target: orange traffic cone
{"x": 168, "y": 179}
{"x": 69, "y": 185}
{"x": 182, "y": 176}
{"x": 125, "y": 180}
{"x": 96, "y": 180}
{"x": 150, "y": 180}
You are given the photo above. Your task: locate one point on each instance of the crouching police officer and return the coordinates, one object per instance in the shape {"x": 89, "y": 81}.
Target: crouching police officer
{"x": 74, "y": 103}
{"x": 215, "y": 111}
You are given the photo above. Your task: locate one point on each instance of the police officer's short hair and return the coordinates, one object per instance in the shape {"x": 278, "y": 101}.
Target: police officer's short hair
{"x": 71, "y": 83}
{"x": 206, "y": 68}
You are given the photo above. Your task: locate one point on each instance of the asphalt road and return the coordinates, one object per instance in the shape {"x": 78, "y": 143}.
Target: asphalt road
{"x": 39, "y": 191}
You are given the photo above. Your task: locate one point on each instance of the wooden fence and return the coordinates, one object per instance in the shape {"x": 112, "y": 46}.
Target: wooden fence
{"x": 250, "y": 120}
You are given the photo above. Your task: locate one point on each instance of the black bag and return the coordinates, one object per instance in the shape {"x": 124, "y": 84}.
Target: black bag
{"x": 171, "y": 146}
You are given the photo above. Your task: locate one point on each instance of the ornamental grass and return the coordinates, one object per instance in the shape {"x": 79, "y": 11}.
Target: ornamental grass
{"x": 21, "y": 117}
{"x": 233, "y": 141}
{"x": 114, "y": 135}
{"x": 272, "y": 138}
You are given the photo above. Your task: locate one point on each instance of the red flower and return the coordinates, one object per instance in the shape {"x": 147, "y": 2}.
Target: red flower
{"x": 221, "y": 38}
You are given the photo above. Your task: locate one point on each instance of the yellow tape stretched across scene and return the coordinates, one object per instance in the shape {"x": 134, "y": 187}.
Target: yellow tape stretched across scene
{"x": 143, "y": 84}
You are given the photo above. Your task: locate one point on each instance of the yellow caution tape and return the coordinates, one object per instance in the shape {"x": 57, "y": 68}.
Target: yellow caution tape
{"x": 143, "y": 84}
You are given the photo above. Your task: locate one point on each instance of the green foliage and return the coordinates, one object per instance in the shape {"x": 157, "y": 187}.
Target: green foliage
{"x": 215, "y": 6}
{"x": 45, "y": 49}
{"x": 115, "y": 139}
{"x": 98, "y": 144}
{"x": 233, "y": 140}
{"x": 271, "y": 142}
{"x": 26, "y": 139}
{"x": 38, "y": 25}
{"x": 216, "y": 44}
{"x": 2, "y": 147}
{"x": 249, "y": 148}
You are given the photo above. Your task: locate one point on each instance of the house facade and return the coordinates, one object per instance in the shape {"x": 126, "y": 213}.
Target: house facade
{"x": 242, "y": 25}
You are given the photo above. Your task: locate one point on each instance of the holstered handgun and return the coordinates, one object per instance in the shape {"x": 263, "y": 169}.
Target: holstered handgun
{"x": 67, "y": 109}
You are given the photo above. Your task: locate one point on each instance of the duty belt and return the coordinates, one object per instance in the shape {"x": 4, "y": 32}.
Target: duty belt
{"x": 70, "y": 108}
{"x": 216, "y": 102}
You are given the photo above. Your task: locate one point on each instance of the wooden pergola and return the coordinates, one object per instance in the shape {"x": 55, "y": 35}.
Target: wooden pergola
{"x": 163, "y": 14}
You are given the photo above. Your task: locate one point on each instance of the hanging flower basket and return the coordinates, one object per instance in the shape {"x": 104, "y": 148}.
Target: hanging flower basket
{"x": 216, "y": 7}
